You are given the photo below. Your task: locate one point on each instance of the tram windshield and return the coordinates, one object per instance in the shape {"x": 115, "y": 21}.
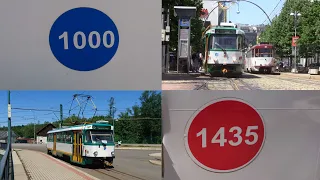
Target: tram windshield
{"x": 226, "y": 41}
{"x": 98, "y": 137}
{"x": 266, "y": 52}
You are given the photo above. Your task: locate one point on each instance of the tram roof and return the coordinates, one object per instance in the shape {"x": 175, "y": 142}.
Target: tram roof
{"x": 80, "y": 127}
{"x": 262, "y": 46}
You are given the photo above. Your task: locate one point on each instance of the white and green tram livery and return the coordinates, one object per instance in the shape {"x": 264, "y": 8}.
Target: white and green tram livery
{"x": 85, "y": 144}
{"x": 224, "y": 49}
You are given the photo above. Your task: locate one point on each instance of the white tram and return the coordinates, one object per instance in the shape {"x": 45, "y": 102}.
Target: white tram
{"x": 260, "y": 58}
{"x": 83, "y": 144}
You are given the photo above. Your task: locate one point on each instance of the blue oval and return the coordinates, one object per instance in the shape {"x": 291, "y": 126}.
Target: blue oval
{"x": 84, "y": 20}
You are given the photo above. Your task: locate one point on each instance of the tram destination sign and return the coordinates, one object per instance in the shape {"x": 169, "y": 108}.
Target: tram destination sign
{"x": 225, "y": 31}
{"x": 74, "y": 44}
{"x": 102, "y": 127}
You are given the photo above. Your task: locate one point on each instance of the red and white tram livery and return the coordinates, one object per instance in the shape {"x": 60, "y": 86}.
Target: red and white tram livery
{"x": 260, "y": 58}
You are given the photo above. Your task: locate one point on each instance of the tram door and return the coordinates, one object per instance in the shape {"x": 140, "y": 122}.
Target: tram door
{"x": 77, "y": 147}
{"x": 54, "y": 152}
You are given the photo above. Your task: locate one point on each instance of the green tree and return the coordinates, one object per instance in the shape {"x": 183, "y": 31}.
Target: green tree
{"x": 281, "y": 30}
{"x": 309, "y": 41}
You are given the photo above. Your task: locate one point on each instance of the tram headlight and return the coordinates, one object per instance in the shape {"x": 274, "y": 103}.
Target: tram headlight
{"x": 95, "y": 153}
{"x": 112, "y": 153}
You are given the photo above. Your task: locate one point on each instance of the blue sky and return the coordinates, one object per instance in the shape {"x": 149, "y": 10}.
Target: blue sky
{"x": 250, "y": 14}
{"x": 51, "y": 100}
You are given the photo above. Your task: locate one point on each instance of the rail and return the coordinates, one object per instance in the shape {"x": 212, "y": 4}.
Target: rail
{"x": 6, "y": 165}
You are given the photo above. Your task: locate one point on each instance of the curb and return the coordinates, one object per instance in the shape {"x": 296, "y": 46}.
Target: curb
{"x": 155, "y": 162}
{"x": 157, "y": 156}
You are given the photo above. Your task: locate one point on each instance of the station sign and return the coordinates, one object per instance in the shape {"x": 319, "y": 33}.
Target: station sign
{"x": 79, "y": 45}
{"x": 241, "y": 135}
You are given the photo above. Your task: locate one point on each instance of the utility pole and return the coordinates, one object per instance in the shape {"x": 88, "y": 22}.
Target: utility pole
{"x": 34, "y": 128}
{"x": 61, "y": 115}
{"x": 11, "y": 168}
{"x": 9, "y": 122}
{"x": 163, "y": 34}
{"x": 113, "y": 111}
{"x": 295, "y": 14}
{"x": 167, "y": 39}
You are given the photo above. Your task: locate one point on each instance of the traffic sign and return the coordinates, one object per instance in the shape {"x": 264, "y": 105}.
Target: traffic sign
{"x": 294, "y": 40}
{"x": 225, "y": 135}
{"x": 80, "y": 41}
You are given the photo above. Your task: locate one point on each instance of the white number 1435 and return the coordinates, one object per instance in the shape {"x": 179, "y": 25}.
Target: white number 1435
{"x": 221, "y": 133}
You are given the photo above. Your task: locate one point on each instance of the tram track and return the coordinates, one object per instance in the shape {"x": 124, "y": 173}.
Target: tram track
{"x": 301, "y": 81}
{"x": 215, "y": 83}
{"x": 224, "y": 83}
{"x": 118, "y": 175}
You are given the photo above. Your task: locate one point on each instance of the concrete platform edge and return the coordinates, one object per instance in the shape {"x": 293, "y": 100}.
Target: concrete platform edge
{"x": 19, "y": 170}
{"x": 155, "y": 162}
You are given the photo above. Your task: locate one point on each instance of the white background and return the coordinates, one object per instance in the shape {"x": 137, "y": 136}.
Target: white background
{"x": 26, "y": 61}
{"x": 292, "y": 144}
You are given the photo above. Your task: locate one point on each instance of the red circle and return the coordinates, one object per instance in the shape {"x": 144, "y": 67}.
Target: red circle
{"x": 227, "y": 114}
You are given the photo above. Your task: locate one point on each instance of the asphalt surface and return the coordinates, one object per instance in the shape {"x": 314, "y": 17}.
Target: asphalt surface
{"x": 135, "y": 163}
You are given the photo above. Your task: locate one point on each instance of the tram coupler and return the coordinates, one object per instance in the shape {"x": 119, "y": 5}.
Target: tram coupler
{"x": 107, "y": 163}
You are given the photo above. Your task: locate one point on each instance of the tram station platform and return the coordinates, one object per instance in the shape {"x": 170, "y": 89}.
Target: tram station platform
{"x": 36, "y": 165}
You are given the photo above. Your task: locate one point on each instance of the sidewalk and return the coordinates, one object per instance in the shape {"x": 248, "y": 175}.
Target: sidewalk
{"x": 301, "y": 76}
{"x": 39, "y": 166}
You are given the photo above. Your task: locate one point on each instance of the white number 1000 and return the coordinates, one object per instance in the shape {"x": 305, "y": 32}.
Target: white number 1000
{"x": 83, "y": 44}
{"x": 222, "y": 140}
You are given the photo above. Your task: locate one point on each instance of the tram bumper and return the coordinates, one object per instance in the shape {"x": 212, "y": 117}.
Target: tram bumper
{"x": 224, "y": 68}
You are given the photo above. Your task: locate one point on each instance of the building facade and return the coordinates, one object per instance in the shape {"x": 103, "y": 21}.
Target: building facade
{"x": 212, "y": 13}
{"x": 4, "y": 137}
{"x": 42, "y": 134}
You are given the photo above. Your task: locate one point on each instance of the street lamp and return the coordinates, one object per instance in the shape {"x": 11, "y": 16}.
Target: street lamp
{"x": 295, "y": 15}
{"x": 113, "y": 111}
{"x": 34, "y": 128}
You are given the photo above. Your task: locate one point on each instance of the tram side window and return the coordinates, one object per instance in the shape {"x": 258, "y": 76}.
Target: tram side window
{"x": 58, "y": 137}
{"x": 50, "y": 137}
{"x": 68, "y": 137}
{"x": 87, "y": 137}
{"x": 63, "y": 137}
{"x": 240, "y": 42}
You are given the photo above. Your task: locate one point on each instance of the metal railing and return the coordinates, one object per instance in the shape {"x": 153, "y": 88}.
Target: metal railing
{"x": 6, "y": 164}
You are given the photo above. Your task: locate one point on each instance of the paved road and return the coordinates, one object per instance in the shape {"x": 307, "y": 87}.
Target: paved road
{"x": 135, "y": 163}
{"x": 247, "y": 82}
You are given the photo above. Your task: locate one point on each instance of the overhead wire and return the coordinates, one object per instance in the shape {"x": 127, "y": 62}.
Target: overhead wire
{"x": 272, "y": 11}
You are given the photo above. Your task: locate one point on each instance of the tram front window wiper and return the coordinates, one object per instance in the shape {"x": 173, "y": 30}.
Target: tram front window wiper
{"x": 217, "y": 44}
